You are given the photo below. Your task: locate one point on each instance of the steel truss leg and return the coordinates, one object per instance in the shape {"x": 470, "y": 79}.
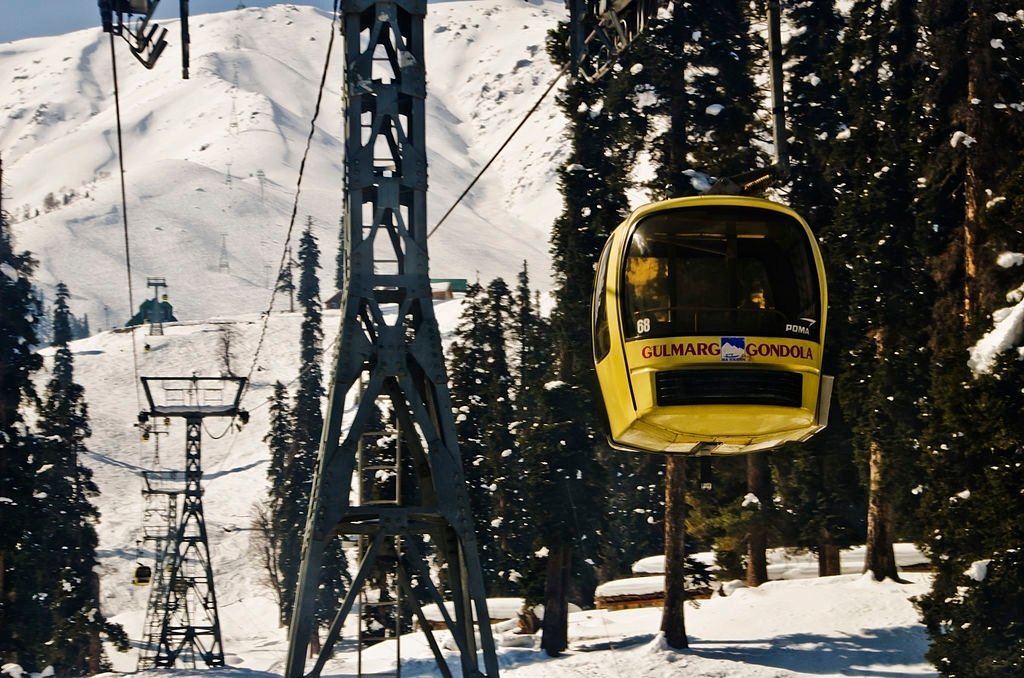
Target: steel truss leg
{"x": 191, "y": 625}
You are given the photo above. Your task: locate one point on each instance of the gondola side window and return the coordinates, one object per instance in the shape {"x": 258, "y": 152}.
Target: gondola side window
{"x": 602, "y": 333}
{"x": 719, "y": 270}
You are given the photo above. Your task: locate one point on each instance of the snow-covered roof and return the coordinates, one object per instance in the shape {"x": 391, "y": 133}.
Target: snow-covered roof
{"x": 497, "y": 608}
{"x": 633, "y": 586}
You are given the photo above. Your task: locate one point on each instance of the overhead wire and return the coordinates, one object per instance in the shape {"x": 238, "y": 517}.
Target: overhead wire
{"x": 295, "y": 204}
{"x": 127, "y": 247}
{"x": 501, "y": 148}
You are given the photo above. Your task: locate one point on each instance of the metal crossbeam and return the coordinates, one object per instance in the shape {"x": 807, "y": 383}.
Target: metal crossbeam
{"x": 390, "y": 338}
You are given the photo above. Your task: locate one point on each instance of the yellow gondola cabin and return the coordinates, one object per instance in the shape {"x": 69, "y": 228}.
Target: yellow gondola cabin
{"x": 708, "y": 327}
{"x": 143, "y": 575}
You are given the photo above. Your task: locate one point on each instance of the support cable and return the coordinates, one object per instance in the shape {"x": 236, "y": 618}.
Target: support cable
{"x": 124, "y": 218}
{"x": 494, "y": 157}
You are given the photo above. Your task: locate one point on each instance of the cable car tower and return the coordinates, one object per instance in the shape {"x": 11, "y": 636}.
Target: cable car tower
{"x": 156, "y": 312}
{"x": 186, "y": 603}
{"x": 390, "y": 340}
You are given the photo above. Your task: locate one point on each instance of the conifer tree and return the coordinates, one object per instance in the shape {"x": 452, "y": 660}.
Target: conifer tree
{"x": 280, "y": 440}
{"x": 23, "y": 619}
{"x": 818, "y": 481}
{"x": 699, "y": 64}
{"x": 974, "y": 442}
{"x": 883, "y": 280}
{"x": 816, "y": 109}
{"x": 467, "y": 371}
{"x": 532, "y": 342}
{"x": 307, "y": 412}
{"x": 75, "y": 646}
{"x": 307, "y": 419}
{"x": 602, "y": 137}
{"x": 482, "y": 394}
{"x": 528, "y": 342}
{"x": 564, "y": 490}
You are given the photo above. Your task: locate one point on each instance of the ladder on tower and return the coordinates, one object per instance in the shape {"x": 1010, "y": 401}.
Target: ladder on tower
{"x": 379, "y": 462}
{"x": 160, "y": 523}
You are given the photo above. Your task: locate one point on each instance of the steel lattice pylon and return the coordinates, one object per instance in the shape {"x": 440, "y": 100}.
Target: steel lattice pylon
{"x": 160, "y": 526}
{"x": 390, "y": 338}
{"x": 191, "y": 621}
{"x": 190, "y": 624}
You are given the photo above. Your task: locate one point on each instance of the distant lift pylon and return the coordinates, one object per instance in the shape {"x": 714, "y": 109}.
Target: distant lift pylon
{"x": 190, "y": 621}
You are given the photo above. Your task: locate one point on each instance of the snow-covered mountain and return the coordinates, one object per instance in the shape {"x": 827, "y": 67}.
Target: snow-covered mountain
{"x": 212, "y": 162}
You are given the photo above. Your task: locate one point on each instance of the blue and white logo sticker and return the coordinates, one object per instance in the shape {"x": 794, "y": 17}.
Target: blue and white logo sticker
{"x": 734, "y": 349}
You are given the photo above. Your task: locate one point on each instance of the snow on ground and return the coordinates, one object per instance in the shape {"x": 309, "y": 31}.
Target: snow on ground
{"x": 837, "y": 626}
{"x": 796, "y": 564}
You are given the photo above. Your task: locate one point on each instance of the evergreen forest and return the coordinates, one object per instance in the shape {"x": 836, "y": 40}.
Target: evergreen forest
{"x": 904, "y": 123}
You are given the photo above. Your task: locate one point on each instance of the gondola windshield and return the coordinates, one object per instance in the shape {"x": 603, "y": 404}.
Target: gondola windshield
{"x": 720, "y": 270}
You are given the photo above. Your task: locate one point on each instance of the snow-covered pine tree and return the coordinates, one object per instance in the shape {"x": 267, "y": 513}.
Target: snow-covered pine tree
{"x": 528, "y": 344}
{"x": 883, "y": 281}
{"x": 503, "y": 455}
{"x": 699, "y": 65}
{"x": 602, "y": 131}
{"x": 307, "y": 412}
{"x": 816, "y": 110}
{"x": 627, "y": 96}
{"x": 24, "y": 619}
{"x": 75, "y": 646}
{"x": 565, "y": 489}
{"x": 275, "y": 520}
{"x": 975, "y": 440}
{"x": 467, "y": 369}
{"x": 308, "y": 422}
{"x": 818, "y": 481}
{"x": 483, "y": 390}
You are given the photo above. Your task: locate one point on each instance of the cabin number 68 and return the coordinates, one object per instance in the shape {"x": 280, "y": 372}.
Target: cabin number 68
{"x": 643, "y": 325}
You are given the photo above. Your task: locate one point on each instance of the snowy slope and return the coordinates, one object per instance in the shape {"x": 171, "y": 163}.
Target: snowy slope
{"x": 246, "y": 109}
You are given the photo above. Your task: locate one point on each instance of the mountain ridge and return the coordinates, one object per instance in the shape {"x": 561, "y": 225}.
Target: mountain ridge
{"x": 211, "y": 163}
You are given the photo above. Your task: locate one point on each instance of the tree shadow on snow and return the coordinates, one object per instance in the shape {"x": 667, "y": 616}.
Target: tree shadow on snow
{"x": 866, "y": 654}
